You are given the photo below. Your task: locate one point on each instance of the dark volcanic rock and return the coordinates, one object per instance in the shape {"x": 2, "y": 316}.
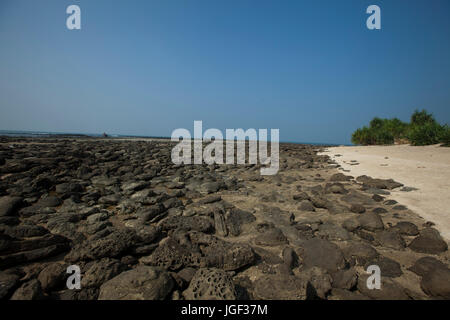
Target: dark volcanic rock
{"x": 306, "y": 205}
{"x": 371, "y": 221}
{"x": 391, "y": 239}
{"x": 378, "y": 183}
{"x": 9, "y": 205}
{"x": 377, "y": 198}
{"x": 210, "y": 284}
{"x": 219, "y": 224}
{"x": 8, "y": 282}
{"x": 340, "y": 177}
{"x": 172, "y": 255}
{"x": 429, "y": 241}
{"x": 221, "y": 254}
{"x": 360, "y": 253}
{"x": 52, "y": 277}
{"x": 336, "y": 188}
{"x": 357, "y": 208}
{"x": 25, "y": 231}
{"x": 290, "y": 257}
{"x": 407, "y": 228}
{"x": 351, "y": 224}
{"x": 236, "y": 218}
{"x": 113, "y": 245}
{"x": 101, "y": 271}
{"x": 33, "y": 255}
{"x": 390, "y": 290}
{"x": 16, "y": 252}
{"x": 142, "y": 283}
{"x": 342, "y": 294}
{"x": 333, "y": 232}
{"x": 280, "y": 287}
{"x": 321, "y": 253}
{"x": 301, "y": 196}
{"x": 379, "y": 210}
{"x": 50, "y": 201}
{"x": 9, "y": 220}
{"x": 210, "y": 199}
{"x": 389, "y": 268}
{"x": 319, "y": 282}
{"x": 345, "y": 279}
{"x": 272, "y": 237}
{"x": 202, "y": 224}
{"x": 426, "y": 265}
{"x": 437, "y": 283}
{"x": 319, "y": 202}
{"x": 30, "y": 290}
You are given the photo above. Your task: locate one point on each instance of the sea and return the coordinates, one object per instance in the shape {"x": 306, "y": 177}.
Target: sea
{"x": 46, "y": 134}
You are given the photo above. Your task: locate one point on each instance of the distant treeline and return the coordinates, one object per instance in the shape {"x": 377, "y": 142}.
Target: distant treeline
{"x": 422, "y": 130}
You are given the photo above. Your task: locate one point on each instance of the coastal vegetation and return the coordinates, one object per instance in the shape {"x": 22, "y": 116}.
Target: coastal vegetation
{"x": 423, "y": 129}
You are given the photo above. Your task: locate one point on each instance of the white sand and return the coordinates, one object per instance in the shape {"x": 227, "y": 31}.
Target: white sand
{"x": 425, "y": 168}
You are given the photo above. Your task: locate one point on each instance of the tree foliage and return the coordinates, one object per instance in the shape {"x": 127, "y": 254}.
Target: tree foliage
{"x": 422, "y": 130}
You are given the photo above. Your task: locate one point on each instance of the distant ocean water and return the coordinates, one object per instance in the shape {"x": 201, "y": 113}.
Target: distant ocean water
{"x": 36, "y": 134}
{"x": 43, "y": 134}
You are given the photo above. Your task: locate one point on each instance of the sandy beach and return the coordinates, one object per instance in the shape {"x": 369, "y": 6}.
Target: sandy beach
{"x": 425, "y": 168}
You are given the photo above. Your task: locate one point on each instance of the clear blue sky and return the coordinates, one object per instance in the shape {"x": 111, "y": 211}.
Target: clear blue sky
{"x": 310, "y": 68}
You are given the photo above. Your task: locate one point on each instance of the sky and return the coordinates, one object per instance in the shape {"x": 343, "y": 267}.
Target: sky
{"x": 311, "y": 69}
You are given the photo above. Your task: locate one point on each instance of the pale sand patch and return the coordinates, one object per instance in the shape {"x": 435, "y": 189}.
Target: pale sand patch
{"x": 425, "y": 168}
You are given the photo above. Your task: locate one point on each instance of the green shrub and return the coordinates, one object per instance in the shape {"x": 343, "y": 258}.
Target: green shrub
{"x": 425, "y": 134}
{"x": 377, "y": 123}
{"x": 421, "y": 117}
{"x": 368, "y": 136}
{"x": 383, "y": 137}
{"x": 445, "y": 136}
{"x": 423, "y": 130}
{"x": 396, "y": 127}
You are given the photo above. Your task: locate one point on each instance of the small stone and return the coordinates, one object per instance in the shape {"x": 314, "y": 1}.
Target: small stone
{"x": 357, "y": 208}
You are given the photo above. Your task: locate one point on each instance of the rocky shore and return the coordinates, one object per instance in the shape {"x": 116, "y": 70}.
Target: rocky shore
{"x": 140, "y": 227}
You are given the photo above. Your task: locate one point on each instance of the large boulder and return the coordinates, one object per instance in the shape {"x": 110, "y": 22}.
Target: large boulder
{"x": 390, "y": 290}
{"x": 9, "y": 205}
{"x": 8, "y": 282}
{"x": 429, "y": 241}
{"x": 30, "y": 290}
{"x": 390, "y": 239}
{"x": 426, "y": 265}
{"x": 371, "y": 221}
{"x": 101, "y": 271}
{"x": 271, "y": 237}
{"x": 210, "y": 284}
{"x": 437, "y": 283}
{"x": 142, "y": 283}
{"x": 280, "y": 287}
{"x": 52, "y": 276}
{"x": 112, "y": 246}
{"x": 321, "y": 253}
{"x": 369, "y": 182}
{"x": 359, "y": 253}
